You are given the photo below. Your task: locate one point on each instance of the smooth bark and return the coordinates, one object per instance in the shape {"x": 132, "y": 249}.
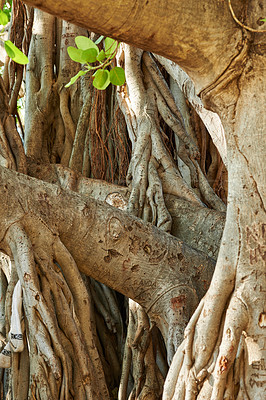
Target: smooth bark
{"x": 164, "y": 27}
{"x": 225, "y": 352}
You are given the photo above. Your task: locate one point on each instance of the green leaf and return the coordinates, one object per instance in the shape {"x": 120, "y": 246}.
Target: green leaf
{"x": 7, "y": 8}
{"x": 101, "y": 79}
{"x": 74, "y": 78}
{"x": 9, "y": 50}
{"x": 75, "y": 54}
{"x": 101, "y": 56}
{"x": 110, "y": 46}
{"x": 117, "y": 76}
{"x": 14, "y": 53}
{"x": 3, "y": 18}
{"x": 85, "y": 43}
{"x": 89, "y": 55}
{"x": 99, "y": 39}
{"x": 263, "y": 19}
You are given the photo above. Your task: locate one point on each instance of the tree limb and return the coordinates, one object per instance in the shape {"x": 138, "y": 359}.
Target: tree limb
{"x": 149, "y": 25}
{"x": 110, "y": 246}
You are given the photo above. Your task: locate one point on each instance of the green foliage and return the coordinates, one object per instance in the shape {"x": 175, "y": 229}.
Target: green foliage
{"x": 117, "y": 76}
{"x": 85, "y": 43}
{"x": 7, "y": 10}
{"x": 101, "y": 79}
{"x": 87, "y": 52}
{"x": 3, "y": 18}
{"x": 12, "y": 51}
{"x": 74, "y": 78}
{"x": 110, "y": 47}
{"x": 89, "y": 55}
{"x": 101, "y": 56}
{"x": 263, "y": 19}
{"x": 75, "y": 54}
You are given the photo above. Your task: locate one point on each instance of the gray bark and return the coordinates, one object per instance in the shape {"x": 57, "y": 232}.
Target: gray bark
{"x": 223, "y": 353}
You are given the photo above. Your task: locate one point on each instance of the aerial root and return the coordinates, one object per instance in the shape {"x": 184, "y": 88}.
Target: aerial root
{"x": 92, "y": 371}
{"x": 140, "y": 351}
{"x": 160, "y": 215}
{"x": 167, "y": 106}
{"x": 173, "y": 373}
{"x": 152, "y": 171}
{"x": 184, "y": 156}
{"x": 182, "y": 359}
{"x": 49, "y": 304}
{"x": 147, "y": 192}
{"x": 235, "y": 322}
{"x": 104, "y": 307}
{"x": 186, "y": 381}
{"x": 137, "y": 175}
{"x": 208, "y": 193}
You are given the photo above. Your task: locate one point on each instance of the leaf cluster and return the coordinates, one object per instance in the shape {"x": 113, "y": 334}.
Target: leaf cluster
{"x": 12, "y": 51}
{"x": 88, "y": 53}
{"x": 5, "y": 13}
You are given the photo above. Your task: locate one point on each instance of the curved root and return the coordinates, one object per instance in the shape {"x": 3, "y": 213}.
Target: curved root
{"x": 140, "y": 351}
{"x": 208, "y": 377}
{"x": 57, "y": 310}
{"x": 160, "y": 215}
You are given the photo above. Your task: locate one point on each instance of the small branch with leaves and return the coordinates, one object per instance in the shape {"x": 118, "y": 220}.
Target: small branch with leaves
{"x": 88, "y": 53}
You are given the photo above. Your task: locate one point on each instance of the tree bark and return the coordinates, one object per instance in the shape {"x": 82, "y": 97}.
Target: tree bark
{"x": 149, "y": 25}
{"x": 109, "y": 245}
{"x": 196, "y": 225}
{"x": 224, "y": 351}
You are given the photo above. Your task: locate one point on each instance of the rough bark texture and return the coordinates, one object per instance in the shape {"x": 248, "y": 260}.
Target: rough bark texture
{"x": 55, "y": 234}
{"x": 108, "y": 245}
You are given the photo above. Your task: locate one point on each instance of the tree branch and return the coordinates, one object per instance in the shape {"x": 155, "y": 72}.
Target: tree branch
{"x": 133, "y": 257}
{"x": 149, "y": 25}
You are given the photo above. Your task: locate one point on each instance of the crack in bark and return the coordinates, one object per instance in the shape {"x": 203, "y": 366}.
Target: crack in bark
{"x": 250, "y": 175}
{"x": 234, "y": 69}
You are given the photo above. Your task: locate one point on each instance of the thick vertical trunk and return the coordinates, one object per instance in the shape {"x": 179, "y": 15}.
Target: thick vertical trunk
{"x": 229, "y": 345}
{"x": 246, "y": 221}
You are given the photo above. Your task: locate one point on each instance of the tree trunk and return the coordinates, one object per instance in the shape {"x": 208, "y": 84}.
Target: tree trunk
{"x": 70, "y": 340}
{"x": 226, "y": 350}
